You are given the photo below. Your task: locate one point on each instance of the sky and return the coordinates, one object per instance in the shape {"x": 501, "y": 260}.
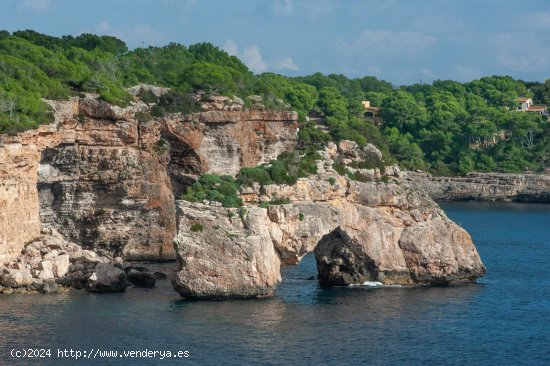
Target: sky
{"x": 401, "y": 41}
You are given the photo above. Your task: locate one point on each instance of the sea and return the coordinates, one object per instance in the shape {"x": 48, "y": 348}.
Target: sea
{"x": 504, "y": 319}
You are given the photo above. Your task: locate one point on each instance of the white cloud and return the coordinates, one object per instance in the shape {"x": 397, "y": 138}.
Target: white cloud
{"x": 231, "y": 47}
{"x": 285, "y": 7}
{"x": 102, "y": 27}
{"x": 136, "y": 35}
{"x": 38, "y": 6}
{"x": 285, "y": 63}
{"x": 252, "y": 57}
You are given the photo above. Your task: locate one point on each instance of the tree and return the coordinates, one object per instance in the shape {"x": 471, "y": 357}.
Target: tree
{"x": 401, "y": 110}
{"x": 212, "y": 78}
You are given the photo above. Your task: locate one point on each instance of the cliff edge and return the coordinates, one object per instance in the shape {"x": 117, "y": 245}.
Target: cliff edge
{"x": 106, "y": 177}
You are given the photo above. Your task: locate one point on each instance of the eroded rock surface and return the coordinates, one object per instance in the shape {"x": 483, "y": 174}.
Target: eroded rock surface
{"x": 224, "y": 254}
{"x": 107, "y": 176}
{"x": 361, "y": 231}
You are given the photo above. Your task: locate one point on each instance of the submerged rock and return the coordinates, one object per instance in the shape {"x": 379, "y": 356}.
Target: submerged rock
{"x": 160, "y": 275}
{"x": 141, "y": 279}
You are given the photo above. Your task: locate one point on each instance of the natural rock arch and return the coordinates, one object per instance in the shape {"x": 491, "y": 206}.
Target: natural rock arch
{"x": 380, "y": 232}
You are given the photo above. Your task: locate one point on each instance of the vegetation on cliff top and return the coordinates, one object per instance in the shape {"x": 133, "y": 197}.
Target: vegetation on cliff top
{"x": 445, "y": 127}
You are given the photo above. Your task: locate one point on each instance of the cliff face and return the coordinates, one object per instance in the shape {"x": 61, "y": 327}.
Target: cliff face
{"x": 359, "y": 231}
{"x": 107, "y": 181}
{"x": 484, "y": 187}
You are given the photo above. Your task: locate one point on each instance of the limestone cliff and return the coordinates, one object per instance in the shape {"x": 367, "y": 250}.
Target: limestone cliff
{"x": 106, "y": 178}
{"x": 484, "y": 187}
{"x": 359, "y": 231}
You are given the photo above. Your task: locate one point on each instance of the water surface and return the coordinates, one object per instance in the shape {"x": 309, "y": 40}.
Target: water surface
{"x": 503, "y": 320}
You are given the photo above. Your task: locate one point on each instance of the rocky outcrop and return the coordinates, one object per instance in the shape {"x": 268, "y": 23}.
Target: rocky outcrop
{"x": 105, "y": 177}
{"x": 484, "y": 187}
{"x": 360, "y": 231}
{"x": 51, "y": 264}
{"x": 224, "y": 253}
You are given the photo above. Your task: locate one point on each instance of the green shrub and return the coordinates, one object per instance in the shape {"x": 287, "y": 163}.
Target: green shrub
{"x": 143, "y": 117}
{"x": 243, "y": 212}
{"x": 301, "y": 217}
{"x": 332, "y": 181}
{"x": 214, "y": 188}
{"x": 279, "y": 201}
{"x": 343, "y": 170}
{"x": 175, "y": 101}
{"x": 286, "y": 169}
{"x": 162, "y": 145}
{"x": 197, "y": 228}
{"x": 247, "y": 176}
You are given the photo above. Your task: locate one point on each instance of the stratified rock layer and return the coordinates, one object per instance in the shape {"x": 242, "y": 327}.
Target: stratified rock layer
{"x": 484, "y": 187}
{"x": 107, "y": 180}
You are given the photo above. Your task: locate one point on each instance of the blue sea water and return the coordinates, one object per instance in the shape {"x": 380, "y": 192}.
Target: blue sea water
{"x": 503, "y": 320}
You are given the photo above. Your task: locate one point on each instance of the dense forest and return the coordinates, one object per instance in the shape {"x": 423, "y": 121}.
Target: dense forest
{"x": 445, "y": 127}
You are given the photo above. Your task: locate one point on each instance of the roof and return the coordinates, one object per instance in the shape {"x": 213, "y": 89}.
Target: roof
{"x": 537, "y": 108}
{"x": 523, "y": 99}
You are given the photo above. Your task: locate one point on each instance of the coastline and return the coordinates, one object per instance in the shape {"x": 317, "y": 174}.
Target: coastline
{"x": 484, "y": 187}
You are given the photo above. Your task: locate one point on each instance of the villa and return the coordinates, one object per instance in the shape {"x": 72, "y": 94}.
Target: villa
{"x": 525, "y": 104}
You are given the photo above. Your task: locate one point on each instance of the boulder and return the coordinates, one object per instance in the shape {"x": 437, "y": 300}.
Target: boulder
{"x": 349, "y": 149}
{"x": 141, "y": 279}
{"x": 46, "y": 270}
{"x": 60, "y": 265}
{"x": 106, "y": 278}
{"x": 15, "y": 278}
{"x": 372, "y": 152}
{"x": 48, "y": 287}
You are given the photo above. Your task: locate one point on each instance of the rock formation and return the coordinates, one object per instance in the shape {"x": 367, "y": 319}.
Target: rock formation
{"x": 105, "y": 177}
{"x": 50, "y": 263}
{"x": 224, "y": 253}
{"x": 359, "y": 231}
{"x": 491, "y": 187}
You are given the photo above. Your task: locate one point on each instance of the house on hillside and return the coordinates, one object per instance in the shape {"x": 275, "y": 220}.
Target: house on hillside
{"x": 525, "y": 104}
{"x": 370, "y": 113}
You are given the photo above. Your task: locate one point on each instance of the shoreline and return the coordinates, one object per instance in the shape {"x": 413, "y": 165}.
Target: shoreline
{"x": 483, "y": 187}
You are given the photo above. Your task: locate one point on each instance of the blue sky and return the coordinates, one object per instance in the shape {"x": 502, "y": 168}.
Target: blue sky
{"x": 402, "y": 41}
